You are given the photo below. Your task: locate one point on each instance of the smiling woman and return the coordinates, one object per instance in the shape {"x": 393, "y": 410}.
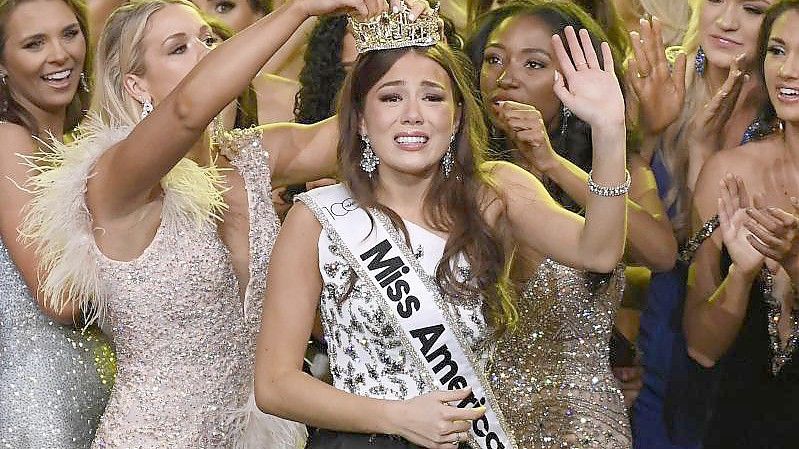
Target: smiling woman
{"x": 52, "y": 393}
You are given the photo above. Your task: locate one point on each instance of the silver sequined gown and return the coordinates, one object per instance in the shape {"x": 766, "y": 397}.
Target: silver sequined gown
{"x": 552, "y": 376}
{"x": 184, "y": 335}
{"x": 51, "y": 391}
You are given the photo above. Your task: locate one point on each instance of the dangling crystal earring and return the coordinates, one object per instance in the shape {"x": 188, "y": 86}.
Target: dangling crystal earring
{"x": 146, "y": 108}
{"x": 565, "y": 115}
{"x": 699, "y": 62}
{"x": 83, "y": 83}
{"x": 369, "y": 159}
{"x": 448, "y": 161}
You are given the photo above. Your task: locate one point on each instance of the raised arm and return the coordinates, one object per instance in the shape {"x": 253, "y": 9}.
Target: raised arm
{"x": 13, "y": 175}
{"x": 301, "y": 153}
{"x": 716, "y": 304}
{"x": 650, "y": 237}
{"x": 283, "y": 389}
{"x": 158, "y": 142}
{"x": 594, "y": 95}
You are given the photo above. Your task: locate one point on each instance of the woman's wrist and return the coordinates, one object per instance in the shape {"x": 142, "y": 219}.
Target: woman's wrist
{"x": 388, "y": 411}
{"x": 298, "y": 9}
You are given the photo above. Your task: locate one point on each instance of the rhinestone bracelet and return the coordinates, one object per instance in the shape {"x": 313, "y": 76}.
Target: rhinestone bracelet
{"x": 601, "y": 190}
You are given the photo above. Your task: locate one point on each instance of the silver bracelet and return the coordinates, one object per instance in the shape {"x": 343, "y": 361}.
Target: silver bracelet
{"x": 601, "y": 190}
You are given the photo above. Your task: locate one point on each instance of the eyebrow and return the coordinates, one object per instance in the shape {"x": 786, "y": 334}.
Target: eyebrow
{"x": 777, "y": 40}
{"x": 42, "y": 35}
{"x": 525, "y": 50}
{"x": 203, "y": 29}
{"x": 425, "y": 83}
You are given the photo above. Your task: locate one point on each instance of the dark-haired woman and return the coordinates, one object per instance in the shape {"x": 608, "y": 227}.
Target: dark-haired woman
{"x": 603, "y": 11}
{"x": 411, "y": 157}
{"x": 741, "y": 315}
{"x": 54, "y": 380}
{"x": 552, "y": 373}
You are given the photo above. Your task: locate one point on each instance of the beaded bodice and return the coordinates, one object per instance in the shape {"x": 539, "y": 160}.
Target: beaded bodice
{"x": 552, "y": 376}
{"x": 367, "y": 354}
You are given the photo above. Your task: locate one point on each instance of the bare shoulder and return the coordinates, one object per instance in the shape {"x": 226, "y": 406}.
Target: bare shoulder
{"x": 301, "y": 222}
{"x": 15, "y": 139}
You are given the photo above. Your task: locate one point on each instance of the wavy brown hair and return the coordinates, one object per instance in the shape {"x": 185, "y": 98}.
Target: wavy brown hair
{"x": 452, "y": 204}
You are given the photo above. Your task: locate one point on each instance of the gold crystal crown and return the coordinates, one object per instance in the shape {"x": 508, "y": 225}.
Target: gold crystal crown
{"x": 396, "y": 30}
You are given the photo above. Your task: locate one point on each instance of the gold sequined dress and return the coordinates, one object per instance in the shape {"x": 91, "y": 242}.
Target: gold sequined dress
{"x": 552, "y": 377}
{"x": 185, "y": 338}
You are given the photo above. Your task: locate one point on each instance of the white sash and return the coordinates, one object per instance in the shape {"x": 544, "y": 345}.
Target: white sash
{"x": 384, "y": 262}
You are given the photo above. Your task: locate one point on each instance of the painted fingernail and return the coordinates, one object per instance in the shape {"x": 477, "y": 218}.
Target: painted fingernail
{"x": 395, "y": 9}
{"x": 557, "y": 75}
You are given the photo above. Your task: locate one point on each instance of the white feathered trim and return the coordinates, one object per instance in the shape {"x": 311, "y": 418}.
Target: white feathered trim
{"x": 259, "y": 430}
{"x": 59, "y": 225}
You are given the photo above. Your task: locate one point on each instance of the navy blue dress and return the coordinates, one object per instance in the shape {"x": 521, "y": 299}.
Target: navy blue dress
{"x": 661, "y": 341}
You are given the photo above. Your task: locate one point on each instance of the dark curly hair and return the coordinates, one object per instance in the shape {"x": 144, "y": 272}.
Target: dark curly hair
{"x": 323, "y": 74}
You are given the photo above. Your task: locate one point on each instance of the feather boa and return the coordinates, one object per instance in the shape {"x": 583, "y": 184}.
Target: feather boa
{"x": 59, "y": 224}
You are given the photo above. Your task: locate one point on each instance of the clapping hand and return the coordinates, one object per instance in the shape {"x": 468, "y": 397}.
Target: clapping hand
{"x": 660, "y": 91}
{"x": 589, "y": 89}
{"x": 732, "y": 205}
{"x": 708, "y": 126}
{"x": 775, "y": 234}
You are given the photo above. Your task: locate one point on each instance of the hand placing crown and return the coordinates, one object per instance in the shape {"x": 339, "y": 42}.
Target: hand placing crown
{"x": 396, "y": 30}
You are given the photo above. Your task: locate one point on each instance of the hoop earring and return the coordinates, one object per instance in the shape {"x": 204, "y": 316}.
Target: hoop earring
{"x": 448, "y": 161}
{"x": 700, "y": 61}
{"x": 369, "y": 160}
{"x": 146, "y": 108}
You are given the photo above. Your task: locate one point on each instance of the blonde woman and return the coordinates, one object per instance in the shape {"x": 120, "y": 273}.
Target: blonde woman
{"x": 164, "y": 238}
{"x": 687, "y": 114}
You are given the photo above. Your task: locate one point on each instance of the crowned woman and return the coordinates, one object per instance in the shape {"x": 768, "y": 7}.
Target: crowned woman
{"x": 408, "y": 258}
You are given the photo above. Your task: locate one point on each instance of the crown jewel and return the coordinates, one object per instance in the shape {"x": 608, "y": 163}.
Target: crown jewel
{"x": 396, "y": 30}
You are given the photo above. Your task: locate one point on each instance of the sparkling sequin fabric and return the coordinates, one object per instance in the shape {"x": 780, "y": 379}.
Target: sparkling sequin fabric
{"x": 52, "y": 391}
{"x": 367, "y": 356}
{"x": 185, "y": 339}
{"x": 552, "y": 376}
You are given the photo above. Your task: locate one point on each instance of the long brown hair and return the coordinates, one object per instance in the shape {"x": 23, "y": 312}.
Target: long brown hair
{"x": 12, "y": 111}
{"x": 452, "y": 204}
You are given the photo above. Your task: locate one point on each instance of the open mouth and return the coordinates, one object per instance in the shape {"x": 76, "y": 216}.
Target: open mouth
{"x": 789, "y": 92}
{"x": 58, "y": 79}
{"x": 411, "y": 140}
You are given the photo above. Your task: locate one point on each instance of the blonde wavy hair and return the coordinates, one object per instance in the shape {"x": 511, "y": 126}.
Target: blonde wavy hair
{"x": 674, "y": 142}
{"x": 120, "y": 52}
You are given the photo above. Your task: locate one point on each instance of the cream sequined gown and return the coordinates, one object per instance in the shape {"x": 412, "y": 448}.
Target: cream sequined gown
{"x": 184, "y": 337}
{"x": 552, "y": 377}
